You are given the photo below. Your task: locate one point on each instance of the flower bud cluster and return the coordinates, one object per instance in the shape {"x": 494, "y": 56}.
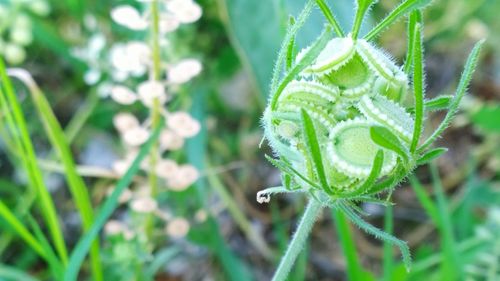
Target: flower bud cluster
{"x": 16, "y": 27}
{"x": 349, "y": 87}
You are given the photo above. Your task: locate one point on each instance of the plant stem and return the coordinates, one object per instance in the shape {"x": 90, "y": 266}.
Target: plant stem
{"x": 155, "y": 110}
{"x": 313, "y": 210}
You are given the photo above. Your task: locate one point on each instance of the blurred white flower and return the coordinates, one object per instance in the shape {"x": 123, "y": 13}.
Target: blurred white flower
{"x": 184, "y": 71}
{"x": 168, "y": 23}
{"x": 183, "y": 124}
{"x": 39, "y": 7}
{"x": 186, "y": 11}
{"x": 14, "y": 53}
{"x": 123, "y": 95}
{"x": 21, "y": 36}
{"x": 124, "y": 197}
{"x": 169, "y": 140}
{"x": 131, "y": 58}
{"x": 200, "y": 215}
{"x": 92, "y": 76}
{"x": 185, "y": 176}
{"x": 91, "y": 54}
{"x": 22, "y": 21}
{"x": 150, "y": 90}
{"x": 177, "y": 227}
{"x": 125, "y": 121}
{"x": 135, "y": 136}
{"x": 121, "y": 166}
{"x": 166, "y": 168}
{"x": 129, "y": 17}
{"x": 143, "y": 205}
{"x": 114, "y": 227}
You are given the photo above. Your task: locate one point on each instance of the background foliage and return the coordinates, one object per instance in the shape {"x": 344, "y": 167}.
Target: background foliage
{"x": 237, "y": 41}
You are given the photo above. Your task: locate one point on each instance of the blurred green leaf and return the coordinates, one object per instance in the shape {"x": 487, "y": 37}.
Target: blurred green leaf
{"x": 488, "y": 118}
{"x": 255, "y": 31}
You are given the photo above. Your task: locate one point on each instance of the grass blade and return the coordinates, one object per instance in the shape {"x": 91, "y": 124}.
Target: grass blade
{"x": 84, "y": 244}
{"x": 77, "y": 186}
{"x": 19, "y": 228}
{"x": 451, "y": 266}
{"x": 14, "y": 274}
{"x": 354, "y": 267}
{"x": 11, "y": 105}
{"x": 424, "y": 199}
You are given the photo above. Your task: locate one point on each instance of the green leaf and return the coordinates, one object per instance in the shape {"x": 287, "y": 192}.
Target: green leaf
{"x": 401, "y": 10}
{"x": 487, "y": 118}
{"x": 290, "y": 53}
{"x": 438, "y": 103}
{"x": 465, "y": 79}
{"x": 287, "y": 168}
{"x": 85, "y": 242}
{"x": 387, "y": 139}
{"x": 378, "y": 162}
{"x": 415, "y": 17}
{"x": 254, "y": 31}
{"x": 327, "y": 12}
{"x": 314, "y": 150}
{"x": 361, "y": 9}
{"x": 431, "y": 155}
{"x": 418, "y": 86}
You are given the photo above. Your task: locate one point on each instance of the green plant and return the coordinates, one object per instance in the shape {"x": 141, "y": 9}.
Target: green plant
{"x": 338, "y": 121}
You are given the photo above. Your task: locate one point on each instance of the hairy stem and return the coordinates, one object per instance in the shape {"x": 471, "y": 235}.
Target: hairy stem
{"x": 313, "y": 210}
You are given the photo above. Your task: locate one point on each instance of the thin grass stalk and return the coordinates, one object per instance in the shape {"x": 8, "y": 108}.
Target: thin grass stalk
{"x": 451, "y": 266}
{"x": 78, "y": 188}
{"x": 354, "y": 267}
{"x": 35, "y": 177}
